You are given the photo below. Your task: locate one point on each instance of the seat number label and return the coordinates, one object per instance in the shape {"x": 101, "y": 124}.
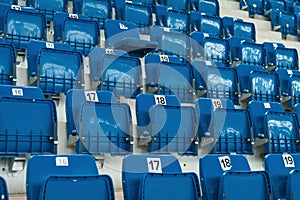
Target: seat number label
{"x": 225, "y": 163}
{"x": 154, "y": 165}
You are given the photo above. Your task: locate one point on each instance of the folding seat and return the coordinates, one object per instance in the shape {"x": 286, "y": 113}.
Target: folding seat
{"x": 158, "y": 177}
{"x": 288, "y": 24}
{"x": 235, "y": 44}
{"x": 164, "y": 126}
{"x": 3, "y": 189}
{"x": 276, "y": 6}
{"x": 296, "y": 11}
{"x": 70, "y": 176}
{"x": 270, "y": 48}
{"x": 215, "y": 82}
{"x": 169, "y": 75}
{"x": 228, "y": 27}
{"x": 206, "y": 24}
{"x": 81, "y": 33}
{"x": 22, "y": 25}
{"x": 171, "y": 42}
{"x": 115, "y": 71}
{"x": 21, "y": 134}
{"x": 255, "y": 7}
{"x": 286, "y": 58}
{"x": 125, "y": 35}
{"x": 282, "y": 169}
{"x": 7, "y": 63}
{"x": 252, "y": 53}
{"x": 54, "y": 67}
{"x": 244, "y": 30}
{"x": 209, "y": 7}
{"x": 180, "y": 5}
{"x": 197, "y": 39}
{"x": 218, "y": 173}
{"x": 109, "y": 134}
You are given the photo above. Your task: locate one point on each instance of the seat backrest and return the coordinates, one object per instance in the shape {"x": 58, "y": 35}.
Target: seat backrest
{"x": 252, "y": 53}
{"x": 7, "y": 63}
{"x": 235, "y": 44}
{"x": 287, "y": 58}
{"x": 216, "y": 49}
{"x": 212, "y": 166}
{"x": 3, "y": 189}
{"x": 48, "y": 8}
{"x": 139, "y": 14}
{"x": 288, "y": 23}
{"x": 244, "y": 30}
{"x": 292, "y": 183}
{"x": 279, "y": 167}
{"x": 177, "y": 20}
{"x": 21, "y": 92}
{"x": 228, "y": 23}
{"x": 270, "y": 48}
{"x": 211, "y": 25}
{"x": 293, "y": 84}
{"x": 209, "y": 7}
{"x": 135, "y": 167}
{"x": 180, "y": 5}
{"x": 41, "y": 167}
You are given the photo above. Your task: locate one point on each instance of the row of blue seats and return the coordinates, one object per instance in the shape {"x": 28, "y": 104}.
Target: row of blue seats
{"x": 161, "y": 177}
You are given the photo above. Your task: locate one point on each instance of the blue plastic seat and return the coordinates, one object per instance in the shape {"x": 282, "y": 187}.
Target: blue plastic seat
{"x": 7, "y": 63}
{"x": 81, "y": 33}
{"x": 180, "y": 5}
{"x": 228, "y": 23}
{"x": 288, "y": 24}
{"x": 125, "y": 35}
{"x": 21, "y": 135}
{"x": 244, "y": 30}
{"x": 111, "y": 133}
{"x": 235, "y": 44}
{"x": 209, "y": 7}
{"x": 168, "y": 75}
{"x": 70, "y": 176}
{"x": 48, "y": 8}
{"x": 286, "y": 58}
{"x": 117, "y": 72}
{"x": 165, "y": 126}
{"x": 296, "y": 11}
{"x": 276, "y": 6}
{"x": 22, "y": 25}
{"x": 252, "y": 53}
{"x": 53, "y": 68}
{"x": 3, "y": 189}
{"x": 293, "y": 87}
{"x": 281, "y": 168}
{"x": 270, "y": 48}
{"x": 292, "y": 186}
{"x": 197, "y": 40}
{"x": 217, "y": 50}
{"x": 12, "y": 2}
{"x": 216, "y": 82}
{"x": 212, "y": 168}
{"x": 255, "y": 7}
{"x": 158, "y": 177}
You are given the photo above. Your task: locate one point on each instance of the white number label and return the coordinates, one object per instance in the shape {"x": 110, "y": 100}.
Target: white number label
{"x": 290, "y": 72}
{"x": 122, "y": 26}
{"x": 50, "y": 45}
{"x": 225, "y": 163}
{"x": 109, "y": 51}
{"x": 61, "y": 161}
{"x": 17, "y": 92}
{"x": 164, "y": 58}
{"x": 73, "y": 16}
{"x": 267, "y": 105}
{"x": 16, "y": 7}
{"x": 160, "y": 100}
{"x": 154, "y": 165}
{"x": 217, "y": 103}
{"x": 288, "y": 160}
{"x": 91, "y": 96}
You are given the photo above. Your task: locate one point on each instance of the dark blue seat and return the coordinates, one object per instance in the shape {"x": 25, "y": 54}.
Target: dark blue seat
{"x": 235, "y": 44}
{"x": 286, "y": 58}
{"x": 217, "y": 50}
{"x": 252, "y": 53}
{"x": 157, "y": 176}
{"x": 165, "y": 126}
{"x": 125, "y": 35}
{"x": 116, "y": 72}
{"x": 48, "y": 8}
{"x": 168, "y": 75}
{"x": 53, "y": 67}
{"x": 244, "y": 30}
{"x": 73, "y": 176}
{"x": 7, "y": 63}
{"x": 288, "y": 24}
{"x": 111, "y": 133}
{"x": 276, "y": 6}
{"x": 197, "y": 40}
{"x": 255, "y": 7}
{"x": 228, "y": 23}
{"x": 180, "y": 5}
{"x": 3, "y": 189}
{"x": 209, "y": 7}
{"x": 270, "y": 48}
{"x": 282, "y": 169}
{"x": 81, "y": 33}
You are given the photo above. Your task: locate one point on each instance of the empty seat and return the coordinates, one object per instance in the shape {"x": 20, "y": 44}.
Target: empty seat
{"x": 244, "y": 30}
{"x": 70, "y": 176}
{"x": 53, "y": 67}
{"x": 212, "y": 168}
{"x": 286, "y": 58}
{"x": 255, "y": 7}
{"x": 7, "y": 63}
{"x": 217, "y": 50}
{"x": 113, "y": 70}
{"x": 125, "y": 35}
{"x": 169, "y": 75}
{"x": 48, "y": 8}
{"x": 275, "y": 8}
{"x": 281, "y": 168}
{"x": 215, "y": 82}
{"x": 197, "y": 39}
{"x": 235, "y": 44}
{"x": 3, "y": 189}
{"x": 78, "y": 31}
{"x": 12, "y": 2}
{"x": 158, "y": 177}
{"x": 228, "y": 23}
{"x": 165, "y": 126}
{"x": 288, "y": 24}
{"x": 209, "y": 7}
{"x": 101, "y": 126}
{"x": 20, "y": 133}
{"x": 22, "y": 25}
{"x": 180, "y": 5}
{"x": 252, "y": 53}
{"x": 270, "y": 48}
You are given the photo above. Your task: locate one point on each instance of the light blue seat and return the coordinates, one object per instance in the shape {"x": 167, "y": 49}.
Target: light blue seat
{"x": 53, "y": 67}
{"x": 7, "y": 63}
{"x": 287, "y": 58}
{"x": 125, "y": 35}
{"x": 70, "y": 176}
{"x": 157, "y": 177}
{"x": 169, "y": 75}
{"x": 165, "y": 126}
{"x": 281, "y": 168}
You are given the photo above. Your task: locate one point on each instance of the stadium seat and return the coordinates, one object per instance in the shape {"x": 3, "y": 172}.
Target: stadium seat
{"x": 293, "y": 181}
{"x": 7, "y": 63}
{"x": 280, "y": 168}
{"x": 22, "y": 25}
{"x": 168, "y": 75}
{"x": 215, "y": 82}
{"x": 157, "y": 176}
{"x": 217, "y": 50}
{"x": 235, "y": 44}
{"x": 270, "y": 48}
{"x": 21, "y": 134}
{"x": 66, "y": 176}
{"x": 11, "y": 2}
{"x": 53, "y": 67}
{"x": 244, "y": 30}
{"x": 110, "y": 133}
{"x": 81, "y": 33}
{"x": 206, "y": 24}
{"x": 197, "y": 39}
{"x": 228, "y": 23}
{"x": 165, "y": 126}
{"x": 212, "y": 168}
{"x": 180, "y": 5}
{"x": 3, "y": 189}
{"x": 255, "y": 7}
{"x": 288, "y": 24}
{"x": 252, "y": 53}
{"x": 113, "y": 70}
{"x": 276, "y": 6}
{"x": 286, "y": 58}
{"x": 209, "y": 7}
{"x": 296, "y": 11}
{"x": 125, "y": 35}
